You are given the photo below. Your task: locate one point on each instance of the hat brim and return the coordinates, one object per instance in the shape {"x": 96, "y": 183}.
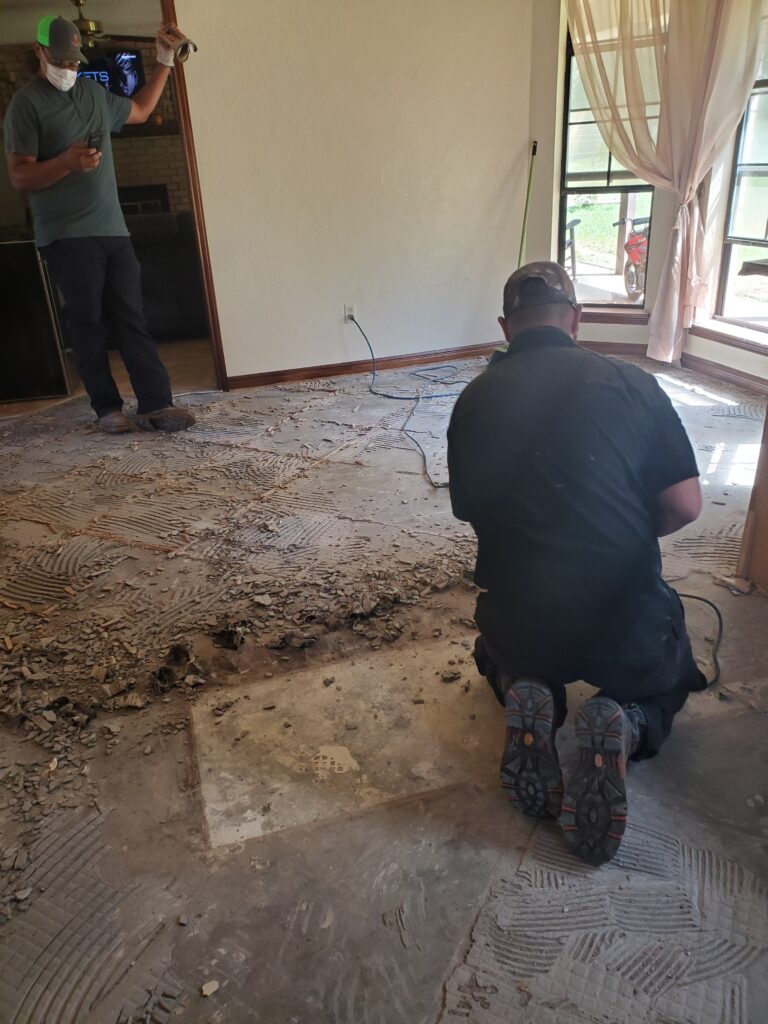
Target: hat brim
{"x": 68, "y": 55}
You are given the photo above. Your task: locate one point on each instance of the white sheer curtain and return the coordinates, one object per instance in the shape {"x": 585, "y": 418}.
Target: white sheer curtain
{"x": 667, "y": 82}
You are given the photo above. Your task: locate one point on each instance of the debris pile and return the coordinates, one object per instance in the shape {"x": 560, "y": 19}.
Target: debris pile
{"x": 179, "y": 670}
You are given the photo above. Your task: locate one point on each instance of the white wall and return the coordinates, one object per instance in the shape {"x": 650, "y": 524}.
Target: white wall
{"x": 364, "y": 152}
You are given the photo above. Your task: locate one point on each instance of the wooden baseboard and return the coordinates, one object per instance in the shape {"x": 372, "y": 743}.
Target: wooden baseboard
{"x": 617, "y": 317}
{"x": 614, "y": 348}
{"x": 727, "y": 373}
{"x": 255, "y": 380}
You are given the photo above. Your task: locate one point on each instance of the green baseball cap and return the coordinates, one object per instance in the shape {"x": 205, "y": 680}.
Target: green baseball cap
{"x": 61, "y": 38}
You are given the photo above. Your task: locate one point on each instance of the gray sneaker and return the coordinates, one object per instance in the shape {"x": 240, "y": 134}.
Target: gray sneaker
{"x": 172, "y": 417}
{"x": 115, "y": 422}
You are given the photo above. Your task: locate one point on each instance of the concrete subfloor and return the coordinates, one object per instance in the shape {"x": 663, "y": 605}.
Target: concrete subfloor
{"x": 311, "y": 819}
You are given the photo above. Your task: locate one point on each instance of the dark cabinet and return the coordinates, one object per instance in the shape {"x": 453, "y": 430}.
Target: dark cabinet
{"x": 31, "y": 359}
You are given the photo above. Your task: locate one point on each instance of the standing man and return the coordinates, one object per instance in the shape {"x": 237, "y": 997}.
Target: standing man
{"x": 569, "y": 466}
{"x": 59, "y": 149}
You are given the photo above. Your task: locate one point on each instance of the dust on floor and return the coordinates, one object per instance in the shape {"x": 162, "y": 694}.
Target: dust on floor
{"x": 259, "y": 577}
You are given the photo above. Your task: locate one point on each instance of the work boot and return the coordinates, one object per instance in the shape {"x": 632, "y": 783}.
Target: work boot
{"x": 530, "y": 769}
{"x": 171, "y": 418}
{"x": 114, "y": 422}
{"x": 594, "y": 811}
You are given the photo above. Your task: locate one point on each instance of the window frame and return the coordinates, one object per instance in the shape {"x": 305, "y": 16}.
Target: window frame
{"x": 729, "y": 241}
{"x": 607, "y": 189}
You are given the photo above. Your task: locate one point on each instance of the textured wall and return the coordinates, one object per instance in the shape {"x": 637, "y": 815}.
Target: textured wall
{"x": 355, "y": 151}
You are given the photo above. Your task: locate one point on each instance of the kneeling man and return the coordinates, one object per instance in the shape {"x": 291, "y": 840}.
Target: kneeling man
{"x": 569, "y": 466}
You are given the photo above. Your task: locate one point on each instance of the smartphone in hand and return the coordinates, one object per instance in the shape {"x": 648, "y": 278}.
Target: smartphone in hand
{"x": 96, "y": 140}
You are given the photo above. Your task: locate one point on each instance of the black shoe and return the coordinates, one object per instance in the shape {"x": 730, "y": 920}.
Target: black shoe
{"x": 530, "y": 769}
{"x": 594, "y": 811}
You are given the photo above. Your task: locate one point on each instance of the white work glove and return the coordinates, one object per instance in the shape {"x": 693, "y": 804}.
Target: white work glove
{"x": 165, "y": 52}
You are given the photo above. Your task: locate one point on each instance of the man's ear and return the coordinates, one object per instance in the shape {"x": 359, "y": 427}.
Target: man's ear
{"x": 504, "y": 328}
{"x": 575, "y": 321}
{"x": 39, "y": 51}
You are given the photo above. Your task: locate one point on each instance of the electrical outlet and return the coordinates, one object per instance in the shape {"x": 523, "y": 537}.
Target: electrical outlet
{"x": 349, "y": 313}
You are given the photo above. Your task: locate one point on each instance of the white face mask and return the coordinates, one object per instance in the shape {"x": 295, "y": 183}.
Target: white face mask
{"x": 61, "y": 78}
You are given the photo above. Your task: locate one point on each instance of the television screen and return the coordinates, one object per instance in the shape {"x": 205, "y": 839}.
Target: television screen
{"x": 121, "y": 72}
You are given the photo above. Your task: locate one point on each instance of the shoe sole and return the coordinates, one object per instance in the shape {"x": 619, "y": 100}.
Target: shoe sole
{"x": 594, "y": 811}
{"x": 530, "y": 768}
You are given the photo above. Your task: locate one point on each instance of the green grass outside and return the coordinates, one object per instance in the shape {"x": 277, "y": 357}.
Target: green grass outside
{"x": 596, "y": 236}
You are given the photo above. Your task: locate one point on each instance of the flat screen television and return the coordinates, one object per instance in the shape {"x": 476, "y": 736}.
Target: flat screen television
{"x": 120, "y": 71}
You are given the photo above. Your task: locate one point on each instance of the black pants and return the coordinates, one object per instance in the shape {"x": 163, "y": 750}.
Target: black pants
{"x": 642, "y": 656}
{"x": 100, "y": 281}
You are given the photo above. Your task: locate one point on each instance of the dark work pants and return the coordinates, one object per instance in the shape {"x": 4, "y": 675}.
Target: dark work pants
{"x": 100, "y": 282}
{"x": 642, "y": 657}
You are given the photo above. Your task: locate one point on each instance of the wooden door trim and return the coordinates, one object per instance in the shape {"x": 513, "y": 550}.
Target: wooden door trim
{"x": 187, "y": 138}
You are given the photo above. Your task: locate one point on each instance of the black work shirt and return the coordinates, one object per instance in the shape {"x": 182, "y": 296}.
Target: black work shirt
{"x": 556, "y": 457}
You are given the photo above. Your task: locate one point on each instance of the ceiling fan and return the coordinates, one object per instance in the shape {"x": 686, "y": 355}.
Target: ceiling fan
{"x": 92, "y": 34}
{"x": 90, "y": 31}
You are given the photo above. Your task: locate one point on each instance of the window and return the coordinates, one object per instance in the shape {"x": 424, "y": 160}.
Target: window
{"x": 605, "y": 211}
{"x": 743, "y": 294}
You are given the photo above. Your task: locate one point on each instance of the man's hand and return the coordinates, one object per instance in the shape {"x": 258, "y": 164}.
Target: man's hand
{"x": 165, "y": 50}
{"x": 81, "y": 158}
{"x": 28, "y": 174}
{"x": 146, "y": 99}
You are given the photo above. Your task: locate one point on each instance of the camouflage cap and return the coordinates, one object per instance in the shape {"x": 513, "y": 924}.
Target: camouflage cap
{"x": 538, "y": 284}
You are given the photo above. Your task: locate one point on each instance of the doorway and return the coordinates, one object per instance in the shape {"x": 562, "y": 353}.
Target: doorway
{"x": 159, "y": 194}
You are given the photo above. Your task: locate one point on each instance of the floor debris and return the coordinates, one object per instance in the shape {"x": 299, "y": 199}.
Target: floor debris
{"x": 291, "y": 529}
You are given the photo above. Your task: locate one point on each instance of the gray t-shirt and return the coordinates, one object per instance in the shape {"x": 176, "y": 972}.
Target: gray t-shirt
{"x": 42, "y": 121}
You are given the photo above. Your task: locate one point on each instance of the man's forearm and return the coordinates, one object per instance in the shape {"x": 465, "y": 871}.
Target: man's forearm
{"x": 147, "y": 98}
{"x": 33, "y": 176}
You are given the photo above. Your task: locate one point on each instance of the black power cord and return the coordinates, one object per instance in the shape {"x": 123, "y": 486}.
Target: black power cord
{"x": 431, "y": 376}
{"x": 718, "y": 639}
{"x": 410, "y": 437}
